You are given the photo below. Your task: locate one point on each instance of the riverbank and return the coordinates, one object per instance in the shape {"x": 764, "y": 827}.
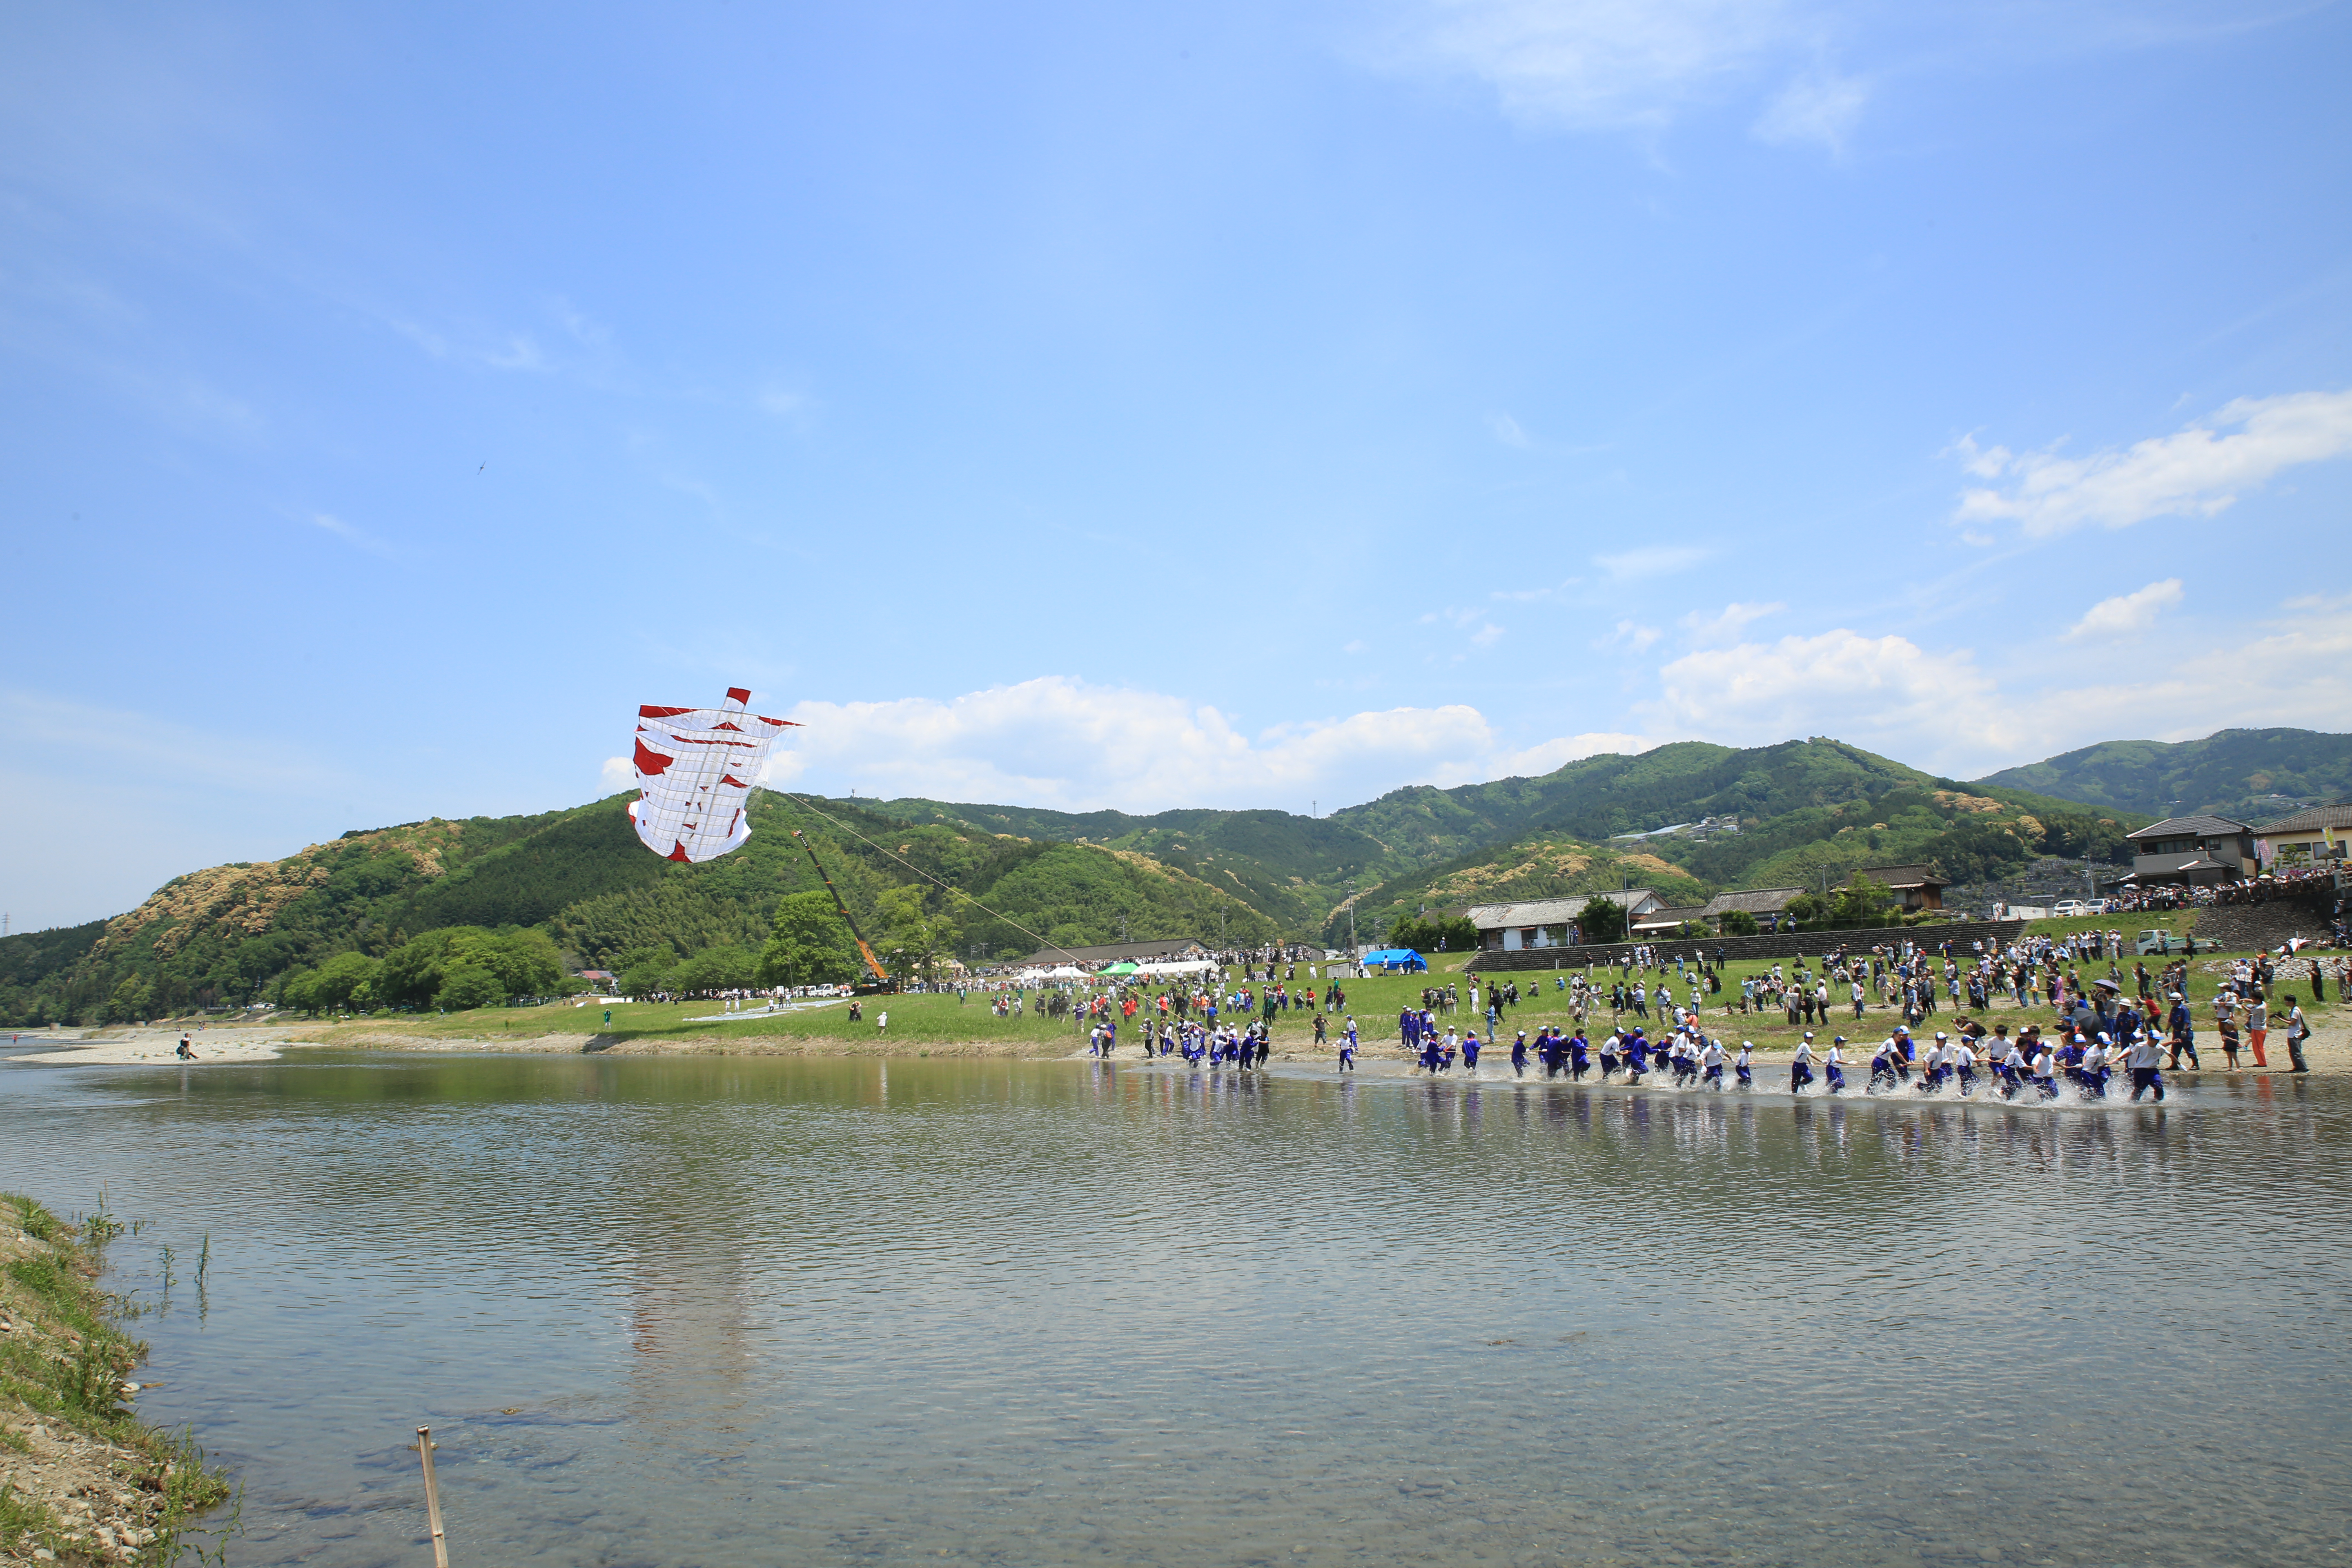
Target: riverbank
{"x": 2329, "y": 1051}
{"x": 82, "y": 1478}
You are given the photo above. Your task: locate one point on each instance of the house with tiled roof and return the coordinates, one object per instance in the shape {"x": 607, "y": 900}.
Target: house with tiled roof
{"x": 2193, "y": 850}
{"x": 1765, "y": 904}
{"x": 1915, "y": 886}
{"x": 2320, "y": 833}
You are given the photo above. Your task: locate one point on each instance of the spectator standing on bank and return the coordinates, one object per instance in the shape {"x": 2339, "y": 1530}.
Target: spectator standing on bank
{"x": 2298, "y": 1029}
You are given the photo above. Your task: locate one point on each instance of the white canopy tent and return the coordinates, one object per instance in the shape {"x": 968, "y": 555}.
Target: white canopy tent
{"x": 1067, "y": 972}
{"x": 1170, "y": 970}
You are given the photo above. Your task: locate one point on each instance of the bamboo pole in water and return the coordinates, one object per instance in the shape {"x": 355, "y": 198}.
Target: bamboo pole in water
{"x": 432, "y": 1497}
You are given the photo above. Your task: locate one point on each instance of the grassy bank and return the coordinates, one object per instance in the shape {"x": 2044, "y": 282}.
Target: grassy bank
{"x": 941, "y": 1024}
{"x": 82, "y": 1478}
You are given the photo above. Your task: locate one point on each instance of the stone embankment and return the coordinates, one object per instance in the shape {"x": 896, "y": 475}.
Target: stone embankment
{"x": 2244, "y": 928}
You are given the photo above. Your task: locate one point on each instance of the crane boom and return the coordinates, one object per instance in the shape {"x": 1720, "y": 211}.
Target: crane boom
{"x": 881, "y": 975}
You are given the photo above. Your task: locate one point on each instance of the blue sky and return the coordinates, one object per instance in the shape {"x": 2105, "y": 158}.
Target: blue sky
{"x": 1221, "y": 404}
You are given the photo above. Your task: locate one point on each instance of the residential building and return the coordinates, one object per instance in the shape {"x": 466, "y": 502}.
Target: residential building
{"x": 2320, "y": 833}
{"x": 1550, "y": 923}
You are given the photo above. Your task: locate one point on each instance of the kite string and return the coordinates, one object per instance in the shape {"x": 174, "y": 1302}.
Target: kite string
{"x": 959, "y": 892}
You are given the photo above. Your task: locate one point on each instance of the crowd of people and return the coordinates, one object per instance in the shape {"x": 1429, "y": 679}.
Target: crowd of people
{"x": 2287, "y": 883}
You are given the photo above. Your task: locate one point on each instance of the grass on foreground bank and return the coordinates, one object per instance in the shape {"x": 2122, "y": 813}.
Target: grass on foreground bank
{"x": 63, "y": 1361}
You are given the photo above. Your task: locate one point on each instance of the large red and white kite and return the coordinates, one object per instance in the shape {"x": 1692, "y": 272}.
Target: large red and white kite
{"x": 696, "y": 768}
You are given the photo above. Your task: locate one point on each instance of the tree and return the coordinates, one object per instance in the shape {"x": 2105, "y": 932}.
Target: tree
{"x": 722, "y": 968}
{"x": 649, "y": 974}
{"x": 1861, "y": 902}
{"x": 1738, "y": 922}
{"x": 1602, "y": 919}
{"x": 520, "y": 962}
{"x": 808, "y": 944}
{"x": 467, "y": 985}
{"x": 337, "y": 982}
{"x": 912, "y": 941}
{"x": 1434, "y": 933}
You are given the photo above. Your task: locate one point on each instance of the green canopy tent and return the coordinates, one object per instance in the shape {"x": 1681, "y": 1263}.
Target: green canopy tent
{"x": 1117, "y": 969}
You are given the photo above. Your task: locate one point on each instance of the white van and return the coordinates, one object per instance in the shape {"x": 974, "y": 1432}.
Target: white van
{"x": 2068, "y": 909}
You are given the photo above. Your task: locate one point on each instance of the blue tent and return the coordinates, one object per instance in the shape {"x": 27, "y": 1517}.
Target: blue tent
{"x": 1397, "y": 958}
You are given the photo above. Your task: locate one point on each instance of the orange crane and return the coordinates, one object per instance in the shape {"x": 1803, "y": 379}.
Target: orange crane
{"x": 882, "y": 981}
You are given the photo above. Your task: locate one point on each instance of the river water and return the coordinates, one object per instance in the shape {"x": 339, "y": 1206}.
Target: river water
{"x": 702, "y": 1310}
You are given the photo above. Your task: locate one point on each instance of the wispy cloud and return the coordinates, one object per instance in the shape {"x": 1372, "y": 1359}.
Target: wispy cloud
{"x": 2126, "y": 613}
{"x": 1820, "y": 107}
{"x": 499, "y": 351}
{"x": 1532, "y": 595}
{"x": 1595, "y": 63}
{"x": 2195, "y": 472}
{"x": 1730, "y": 625}
{"x": 357, "y": 538}
{"x": 1508, "y": 431}
{"x": 1651, "y": 561}
{"x": 1483, "y": 632}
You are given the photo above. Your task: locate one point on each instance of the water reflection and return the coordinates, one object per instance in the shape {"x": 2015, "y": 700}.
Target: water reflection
{"x": 724, "y": 1310}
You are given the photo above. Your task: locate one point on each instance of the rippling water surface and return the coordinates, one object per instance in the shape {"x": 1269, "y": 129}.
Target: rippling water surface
{"x": 715, "y": 1311}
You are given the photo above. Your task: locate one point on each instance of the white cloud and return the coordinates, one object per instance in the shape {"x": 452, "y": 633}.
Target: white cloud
{"x": 1731, "y": 625}
{"x": 1597, "y": 62}
{"x": 1059, "y": 743}
{"x": 1651, "y": 561}
{"x": 618, "y": 773}
{"x": 1633, "y": 635}
{"x": 1536, "y": 761}
{"x": 1938, "y": 710}
{"x": 1819, "y": 106}
{"x": 2195, "y": 472}
{"x": 1838, "y": 682}
{"x": 2126, "y": 613}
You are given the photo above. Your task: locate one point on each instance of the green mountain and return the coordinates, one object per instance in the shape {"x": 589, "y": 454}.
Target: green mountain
{"x": 1599, "y": 796}
{"x": 2247, "y": 774}
{"x": 1805, "y": 807}
{"x": 1291, "y": 869}
{"x": 1016, "y": 879}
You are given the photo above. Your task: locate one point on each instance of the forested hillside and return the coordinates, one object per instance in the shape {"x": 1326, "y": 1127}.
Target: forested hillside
{"x": 229, "y": 934}
{"x": 1292, "y": 869}
{"x": 2248, "y": 774}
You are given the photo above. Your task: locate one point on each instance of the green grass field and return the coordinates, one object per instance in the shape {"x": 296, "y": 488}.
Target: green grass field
{"x": 921, "y": 1022}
